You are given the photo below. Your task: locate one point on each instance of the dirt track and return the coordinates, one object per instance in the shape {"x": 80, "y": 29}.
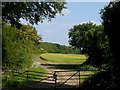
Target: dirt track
{"x": 62, "y": 76}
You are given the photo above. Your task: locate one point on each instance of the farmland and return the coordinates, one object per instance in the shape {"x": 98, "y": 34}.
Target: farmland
{"x": 64, "y": 58}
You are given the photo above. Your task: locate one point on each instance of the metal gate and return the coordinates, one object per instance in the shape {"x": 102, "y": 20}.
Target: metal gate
{"x": 56, "y": 80}
{"x": 67, "y": 79}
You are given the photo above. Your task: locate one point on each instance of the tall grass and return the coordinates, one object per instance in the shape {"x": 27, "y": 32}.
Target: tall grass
{"x": 19, "y": 79}
{"x": 14, "y": 81}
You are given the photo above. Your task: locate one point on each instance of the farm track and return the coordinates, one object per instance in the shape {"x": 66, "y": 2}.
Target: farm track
{"x": 62, "y": 76}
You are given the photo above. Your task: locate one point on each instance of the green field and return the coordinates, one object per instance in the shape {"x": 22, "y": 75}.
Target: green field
{"x": 64, "y": 58}
{"x": 59, "y": 61}
{"x": 67, "y": 61}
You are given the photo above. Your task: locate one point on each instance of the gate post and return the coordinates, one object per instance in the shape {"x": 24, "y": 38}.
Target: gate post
{"x": 55, "y": 78}
{"x": 27, "y": 75}
{"x": 79, "y": 79}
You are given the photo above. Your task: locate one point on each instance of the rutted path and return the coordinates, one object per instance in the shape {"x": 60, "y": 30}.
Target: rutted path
{"x": 62, "y": 76}
{"x": 49, "y": 67}
{"x": 49, "y": 81}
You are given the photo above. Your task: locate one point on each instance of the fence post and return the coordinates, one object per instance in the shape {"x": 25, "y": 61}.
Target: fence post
{"x": 79, "y": 79}
{"x": 27, "y": 76}
{"x": 55, "y": 78}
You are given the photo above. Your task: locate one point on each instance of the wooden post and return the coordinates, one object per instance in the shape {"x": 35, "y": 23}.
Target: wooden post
{"x": 79, "y": 79}
{"x": 27, "y": 76}
{"x": 55, "y": 78}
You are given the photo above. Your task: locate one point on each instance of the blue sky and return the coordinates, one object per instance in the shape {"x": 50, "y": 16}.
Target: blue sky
{"x": 56, "y": 31}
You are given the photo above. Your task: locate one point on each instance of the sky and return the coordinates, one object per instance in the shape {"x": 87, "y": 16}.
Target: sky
{"x": 76, "y": 13}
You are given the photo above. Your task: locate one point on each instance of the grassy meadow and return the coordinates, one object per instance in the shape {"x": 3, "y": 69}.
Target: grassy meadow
{"x": 67, "y": 61}
{"x": 64, "y": 58}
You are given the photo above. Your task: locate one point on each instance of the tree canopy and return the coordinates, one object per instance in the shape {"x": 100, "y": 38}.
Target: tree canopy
{"x": 33, "y": 12}
{"x": 19, "y": 40}
{"x": 110, "y": 78}
{"x": 18, "y": 45}
{"x": 91, "y": 40}
{"x": 111, "y": 18}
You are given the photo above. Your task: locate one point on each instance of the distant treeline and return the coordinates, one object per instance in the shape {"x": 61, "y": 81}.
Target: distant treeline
{"x": 46, "y": 47}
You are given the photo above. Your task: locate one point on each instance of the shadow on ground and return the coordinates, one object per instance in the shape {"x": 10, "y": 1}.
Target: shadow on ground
{"x": 33, "y": 85}
{"x": 63, "y": 66}
{"x": 43, "y": 86}
{"x": 50, "y": 86}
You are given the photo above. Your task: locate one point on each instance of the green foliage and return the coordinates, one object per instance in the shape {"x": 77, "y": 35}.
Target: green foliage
{"x": 18, "y": 45}
{"x": 106, "y": 80}
{"x": 77, "y": 36}
{"x": 88, "y": 68}
{"x": 33, "y": 12}
{"x": 109, "y": 79}
{"x": 44, "y": 47}
{"x": 18, "y": 79}
{"x": 92, "y": 40}
{"x": 15, "y": 82}
{"x": 111, "y": 17}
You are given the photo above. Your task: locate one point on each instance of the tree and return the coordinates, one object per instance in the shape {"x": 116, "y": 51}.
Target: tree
{"x": 109, "y": 79}
{"x": 33, "y": 12}
{"x": 111, "y": 18}
{"x": 18, "y": 45}
{"x": 91, "y": 40}
{"x": 77, "y": 35}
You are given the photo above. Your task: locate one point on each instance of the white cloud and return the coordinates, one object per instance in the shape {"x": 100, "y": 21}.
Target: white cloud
{"x": 45, "y": 22}
{"x": 67, "y": 26}
{"x": 94, "y": 22}
{"x": 89, "y": 0}
{"x": 70, "y": 25}
{"x": 66, "y": 11}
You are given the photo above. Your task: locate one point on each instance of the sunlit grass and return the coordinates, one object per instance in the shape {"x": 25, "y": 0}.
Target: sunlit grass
{"x": 64, "y": 58}
{"x": 19, "y": 80}
{"x": 36, "y": 73}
